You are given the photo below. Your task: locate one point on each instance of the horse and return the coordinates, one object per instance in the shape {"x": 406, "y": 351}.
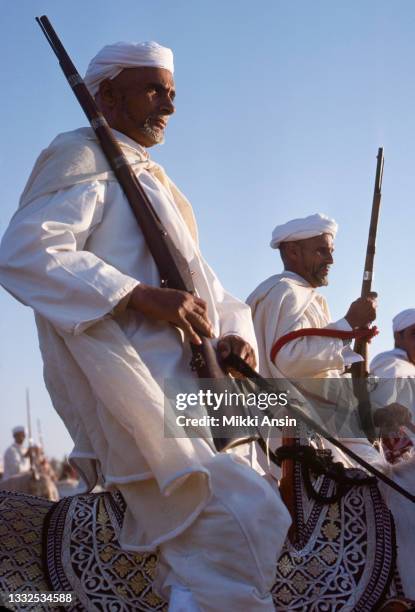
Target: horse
{"x": 343, "y": 556}
{"x": 33, "y": 483}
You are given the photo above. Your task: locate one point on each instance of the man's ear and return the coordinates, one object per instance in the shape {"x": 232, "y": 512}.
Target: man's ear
{"x": 106, "y": 93}
{"x": 398, "y": 339}
{"x": 292, "y": 250}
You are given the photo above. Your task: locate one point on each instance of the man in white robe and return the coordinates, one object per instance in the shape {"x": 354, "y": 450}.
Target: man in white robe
{"x": 16, "y": 457}
{"x": 289, "y": 303}
{"x": 395, "y": 379}
{"x": 297, "y": 340}
{"x": 110, "y": 337}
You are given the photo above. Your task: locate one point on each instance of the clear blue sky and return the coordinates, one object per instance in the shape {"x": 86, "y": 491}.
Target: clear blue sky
{"x": 281, "y": 106}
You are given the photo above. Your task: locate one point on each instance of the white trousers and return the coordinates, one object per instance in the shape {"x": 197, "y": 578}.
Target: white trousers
{"x": 226, "y": 560}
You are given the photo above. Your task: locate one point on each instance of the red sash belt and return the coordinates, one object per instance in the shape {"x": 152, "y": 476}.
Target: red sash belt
{"x": 357, "y": 334}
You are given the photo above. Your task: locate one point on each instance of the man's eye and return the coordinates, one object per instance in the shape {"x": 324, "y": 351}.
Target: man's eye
{"x": 152, "y": 90}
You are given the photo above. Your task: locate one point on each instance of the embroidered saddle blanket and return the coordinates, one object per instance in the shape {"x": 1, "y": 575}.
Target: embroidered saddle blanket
{"x": 344, "y": 557}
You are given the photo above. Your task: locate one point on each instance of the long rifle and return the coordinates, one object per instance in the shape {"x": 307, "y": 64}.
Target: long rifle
{"x": 40, "y": 435}
{"x": 360, "y": 370}
{"x": 172, "y": 266}
{"x": 29, "y": 431}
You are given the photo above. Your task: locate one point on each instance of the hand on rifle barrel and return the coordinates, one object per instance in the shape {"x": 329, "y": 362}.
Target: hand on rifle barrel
{"x": 391, "y": 417}
{"x": 362, "y": 311}
{"x": 238, "y": 346}
{"x": 186, "y": 311}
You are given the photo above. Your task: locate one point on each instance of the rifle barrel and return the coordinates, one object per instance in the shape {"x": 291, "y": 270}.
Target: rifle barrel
{"x": 360, "y": 369}
{"x": 373, "y": 227}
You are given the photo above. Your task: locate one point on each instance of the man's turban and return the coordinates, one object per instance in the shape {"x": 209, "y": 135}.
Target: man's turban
{"x": 18, "y": 429}
{"x": 112, "y": 59}
{"x": 301, "y": 229}
{"x": 404, "y": 319}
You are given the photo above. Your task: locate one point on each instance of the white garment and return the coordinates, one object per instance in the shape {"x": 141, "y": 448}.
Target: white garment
{"x": 14, "y": 461}
{"x": 19, "y": 429}
{"x": 393, "y": 364}
{"x": 112, "y": 59}
{"x": 69, "y": 487}
{"x": 72, "y": 251}
{"x": 404, "y": 319}
{"x": 395, "y": 381}
{"x": 303, "y": 228}
{"x": 285, "y": 303}
{"x": 182, "y": 600}
{"x": 227, "y": 560}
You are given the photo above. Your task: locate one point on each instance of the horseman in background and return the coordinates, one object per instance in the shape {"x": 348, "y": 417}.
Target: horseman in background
{"x": 297, "y": 340}
{"x": 110, "y": 336}
{"x": 16, "y": 457}
{"x": 394, "y": 389}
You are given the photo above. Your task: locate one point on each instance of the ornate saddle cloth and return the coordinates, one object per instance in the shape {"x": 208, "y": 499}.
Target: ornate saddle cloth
{"x": 343, "y": 558}
{"x": 83, "y": 556}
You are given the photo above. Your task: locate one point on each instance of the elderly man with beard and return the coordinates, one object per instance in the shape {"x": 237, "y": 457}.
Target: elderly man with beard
{"x": 110, "y": 336}
{"x": 297, "y": 340}
{"x": 296, "y": 337}
{"x": 288, "y": 302}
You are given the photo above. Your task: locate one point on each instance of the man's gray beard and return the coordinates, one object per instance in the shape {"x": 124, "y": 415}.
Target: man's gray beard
{"x": 321, "y": 281}
{"x": 157, "y": 136}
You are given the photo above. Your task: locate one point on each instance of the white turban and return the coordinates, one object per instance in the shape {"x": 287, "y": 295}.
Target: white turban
{"x": 301, "y": 229}
{"x": 18, "y": 429}
{"x": 112, "y": 59}
{"x": 404, "y": 319}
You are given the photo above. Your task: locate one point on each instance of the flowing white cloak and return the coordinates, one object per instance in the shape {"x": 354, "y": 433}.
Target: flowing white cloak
{"x": 72, "y": 252}
{"x": 286, "y": 302}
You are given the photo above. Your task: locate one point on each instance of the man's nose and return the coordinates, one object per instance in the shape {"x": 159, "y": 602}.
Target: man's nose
{"x": 330, "y": 258}
{"x": 167, "y": 106}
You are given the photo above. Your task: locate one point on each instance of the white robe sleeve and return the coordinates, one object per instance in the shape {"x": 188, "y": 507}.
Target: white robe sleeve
{"x": 44, "y": 265}
{"x": 14, "y": 463}
{"x": 309, "y": 356}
